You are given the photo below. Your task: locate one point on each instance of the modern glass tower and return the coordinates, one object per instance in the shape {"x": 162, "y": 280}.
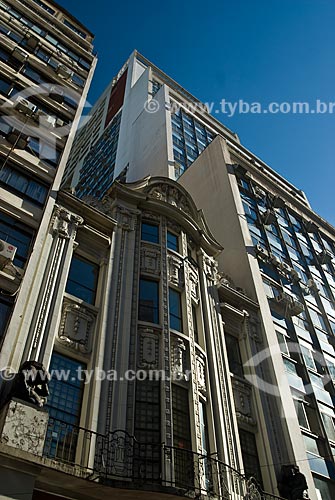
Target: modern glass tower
{"x": 277, "y": 251}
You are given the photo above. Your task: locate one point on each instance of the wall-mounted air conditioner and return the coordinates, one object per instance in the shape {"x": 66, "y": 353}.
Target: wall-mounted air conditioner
{"x": 260, "y": 194}
{"x": 64, "y": 71}
{"x": 261, "y": 252}
{"x": 25, "y": 106}
{"x": 325, "y": 257}
{"x": 19, "y": 55}
{"x": 7, "y": 253}
{"x": 268, "y": 217}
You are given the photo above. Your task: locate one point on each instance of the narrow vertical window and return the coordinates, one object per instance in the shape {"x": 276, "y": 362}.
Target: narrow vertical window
{"x": 234, "y": 356}
{"x": 172, "y": 241}
{"x": 250, "y": 455}
{"x": 64, "y": 407}
{"x": 183, "y": 457}
{"x": 148, "y": 301}
{"x": 195, "y": 324}
{"x": 176, "y": 322}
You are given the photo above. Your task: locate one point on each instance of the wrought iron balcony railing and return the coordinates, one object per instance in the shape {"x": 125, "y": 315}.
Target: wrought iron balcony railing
{"x": 118, "y": 457}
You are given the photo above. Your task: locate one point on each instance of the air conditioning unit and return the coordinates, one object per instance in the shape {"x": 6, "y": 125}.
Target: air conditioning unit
{"x": 261, "y": 252}
{"x": 25, "y": 106}
{"x": 17, "y": 139}
{"x": 268, "y": 217}
{"x": 325, "y": 257}
{"x": 284, "y": 268}
{"x": 7, "y": 253}
{"x": 260, "y": 194}
{"x": 240, "y": 171}
{"x": 64, "y": 72}
{"x": 311, "y": 284}
{"x": 59, "y": 122}
{"x": 274, "y": 260}
{"x": 290, "y": 305}
{"x": 310, "y": 226}
{"x": 295, "y": 275}
{"x": 32, "y": 41}
{"x": 19, "y": 55}
{"x": 296, "y": 308}
{"x": 278, "y": 202}
{"x": 283, "y": 298}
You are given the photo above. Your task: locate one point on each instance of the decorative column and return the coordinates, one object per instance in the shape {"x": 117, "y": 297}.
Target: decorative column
{"x": 63, "y": 229}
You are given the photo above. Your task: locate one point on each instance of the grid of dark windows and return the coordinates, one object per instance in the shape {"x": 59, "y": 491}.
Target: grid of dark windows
{"x": 29, "y": 189}
{"x": 148, "y": 415}
{"x": 234, "y": 355}
{"x": 175, "y": 310}
{"x": 83, "y": 279}
{"x": 250, "y": 455}
{"x": 148, "y": 301}
{"x": 64, "y": 407}
{"x": 172, "y": 241}
{"x": 183, "y": 456}
{"x": 6, "y": 306}
{"x": 181, "y": 418}
{"x": 18, "y": 235}
{"x": 147, "y": 430}
{"x": 189, "y": 138}
{"x": 27, "y": 23}
{"x": 150, "y": 232}
{"x": 97, "y": 173}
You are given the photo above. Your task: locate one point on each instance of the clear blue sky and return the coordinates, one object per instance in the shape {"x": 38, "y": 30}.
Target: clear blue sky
{"x": 260, "y": 50}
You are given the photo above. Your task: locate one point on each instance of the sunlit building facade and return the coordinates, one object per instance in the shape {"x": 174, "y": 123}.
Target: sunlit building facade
{"x": 276, "y": 249}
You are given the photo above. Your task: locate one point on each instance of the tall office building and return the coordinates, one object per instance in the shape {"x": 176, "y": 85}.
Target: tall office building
{"x": 277, "y": 251}
{"x": 46, "y": 65}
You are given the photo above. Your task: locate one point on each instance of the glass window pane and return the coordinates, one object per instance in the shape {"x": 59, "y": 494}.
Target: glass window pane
{"x": 175, "y": 310}
{"x": 148, "y": 301}
{"x": 82, "y": 279}
{"x": 150, "y": 232}
{"x": 172, "y": 241}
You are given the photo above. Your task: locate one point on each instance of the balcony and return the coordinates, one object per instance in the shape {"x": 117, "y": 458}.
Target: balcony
{"x": 118, "y": 460}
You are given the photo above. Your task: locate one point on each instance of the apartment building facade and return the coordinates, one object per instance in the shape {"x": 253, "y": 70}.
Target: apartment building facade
{"x": 276, "y": 249}
{"x": 46, "y": 65}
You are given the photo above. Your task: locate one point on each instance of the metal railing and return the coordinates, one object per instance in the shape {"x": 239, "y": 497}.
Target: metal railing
{"x": 118, "y": 456}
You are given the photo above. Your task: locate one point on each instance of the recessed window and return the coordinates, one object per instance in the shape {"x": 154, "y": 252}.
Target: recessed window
{"x": 301, "y": 413}
{"x": 250, "y": 455}
{"x": 176, "y": 322}
{"x": 308, "y": 357}
{"x": 150, "y": 232}
{"x": 64, "y": 407}
{"x": 82, "y": 280}
{"x": 172, "y": 241}
{"x": 195, "y": 324}
{"x": 234, "y": 355}
{"x": 148, "y": 301}
{"x": 282, "y": 340}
